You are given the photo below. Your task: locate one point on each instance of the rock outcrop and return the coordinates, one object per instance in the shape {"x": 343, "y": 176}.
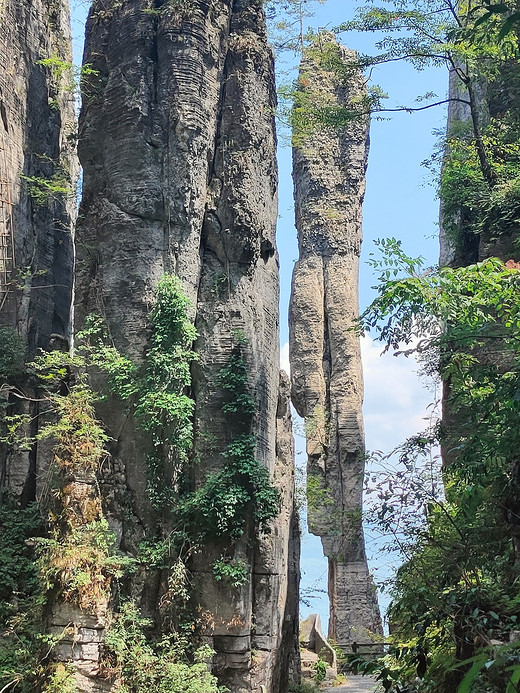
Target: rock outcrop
{"x": 177, "y": 143}
{"x": 37, "y": 194}
{"x": 327, "y": 385}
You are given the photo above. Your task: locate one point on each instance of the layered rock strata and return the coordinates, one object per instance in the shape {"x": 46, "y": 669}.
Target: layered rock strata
{"x": 178, "y": 147}
{"x": 37, "y": 195}
{"x": 327, "y": 385}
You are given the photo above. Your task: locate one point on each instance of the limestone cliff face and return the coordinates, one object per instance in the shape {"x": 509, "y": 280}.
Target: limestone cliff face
{"x": 178, "y": 147}
{"x": 37, "y": 191}
{"x": 327, "y": 385}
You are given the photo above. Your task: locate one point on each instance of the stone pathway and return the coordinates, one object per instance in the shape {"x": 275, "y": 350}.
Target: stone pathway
{"x": 355, "y": 684}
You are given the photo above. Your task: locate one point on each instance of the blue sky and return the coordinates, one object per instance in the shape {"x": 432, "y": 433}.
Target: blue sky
{"x": 400, "y": 201}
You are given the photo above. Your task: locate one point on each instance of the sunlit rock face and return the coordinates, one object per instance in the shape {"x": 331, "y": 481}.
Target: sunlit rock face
{"x": 327, "y": 384}
{"x": 177, "y": 142}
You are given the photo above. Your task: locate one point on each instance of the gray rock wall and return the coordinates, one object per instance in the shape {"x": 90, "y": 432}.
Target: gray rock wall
{"x": 327, "y": 384}
{"x": 178, "y": 147}
{"x": 37, "y": 144}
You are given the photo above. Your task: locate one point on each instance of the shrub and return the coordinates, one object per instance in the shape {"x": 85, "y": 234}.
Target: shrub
{"x": 158, "y": 666}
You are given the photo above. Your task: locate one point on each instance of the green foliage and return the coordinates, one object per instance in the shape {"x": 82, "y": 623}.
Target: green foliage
{"x": 22, "y": 639}
{"x": 318, "y": 495}
{"x": 286, "y": 22}
{"x": 320, "y": 670}
{"x": 46, "y": 190}
{"x": 18, "y": 572}
{"x": 21, "y": 644}
{"x": 457, "y": 589}
{"x": 12, "y": 354}
{"x": 305, "y": 687}
{"x": 233, "y": 380}
{"x": 61, "y": 680}
{"x": 467, "y": 38}
{"x": 154, "y": 553}
{"x": 80, "y": 563}
{"x": 158, "y": 666}
{"x": 66, "y": 77}
{"x": 433, "y": 32}
{"x": 469, "y": 204}
{"x": 78, "y": 559}
{"x": 155, "y": 392}
{"x": 241, "y": 489}
{"x": 79, "y": 438}
{"x": 233, "y": 571}
{"x": 307, "y": 108}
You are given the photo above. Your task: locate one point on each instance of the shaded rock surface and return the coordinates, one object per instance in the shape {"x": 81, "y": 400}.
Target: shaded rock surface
{"x": 178, "y": 147}
{"x": 37, "y": 144}
{"x": 327, "y": 385}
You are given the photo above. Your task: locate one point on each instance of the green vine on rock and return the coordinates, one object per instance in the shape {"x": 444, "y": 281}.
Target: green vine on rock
{"x": 156, "y": 392}
{"x": 232, "y": 570}
{"x": 242, "y": 488}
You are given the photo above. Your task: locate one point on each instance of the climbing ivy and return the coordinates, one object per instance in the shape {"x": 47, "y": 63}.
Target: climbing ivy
{"x": 155, "y": 392}
{"x": 242, "y": 487}
{"x": 239, "y": 490}
{"x": 77, "y": 556}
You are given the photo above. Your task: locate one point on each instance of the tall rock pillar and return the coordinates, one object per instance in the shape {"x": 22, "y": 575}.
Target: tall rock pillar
{"x": 327, "y": 385}
{"x": 37, "y": 193}
{"x": 177, "y": 142}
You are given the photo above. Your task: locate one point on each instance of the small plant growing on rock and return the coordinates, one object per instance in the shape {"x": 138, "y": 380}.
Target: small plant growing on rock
{"x": 231, "y": 570}
{"x": 320, "y": 670}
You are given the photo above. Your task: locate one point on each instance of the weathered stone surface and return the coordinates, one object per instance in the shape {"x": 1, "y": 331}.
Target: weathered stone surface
{"x": 276, "y": 661}
{"x": 37, "y": 141}
{"x": 178, "y": 147}
{"x": 327, "y": 385}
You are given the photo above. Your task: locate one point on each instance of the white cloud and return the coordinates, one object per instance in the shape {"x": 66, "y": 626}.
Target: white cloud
{"x": 284, "y": 358}
{"x": 396, "y": 403}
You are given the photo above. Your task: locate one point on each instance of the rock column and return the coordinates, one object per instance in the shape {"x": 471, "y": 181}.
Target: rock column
{"x": 37, "y": 193}
{"x": 177, "y": 142}
{"x": 327, "y": 385}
